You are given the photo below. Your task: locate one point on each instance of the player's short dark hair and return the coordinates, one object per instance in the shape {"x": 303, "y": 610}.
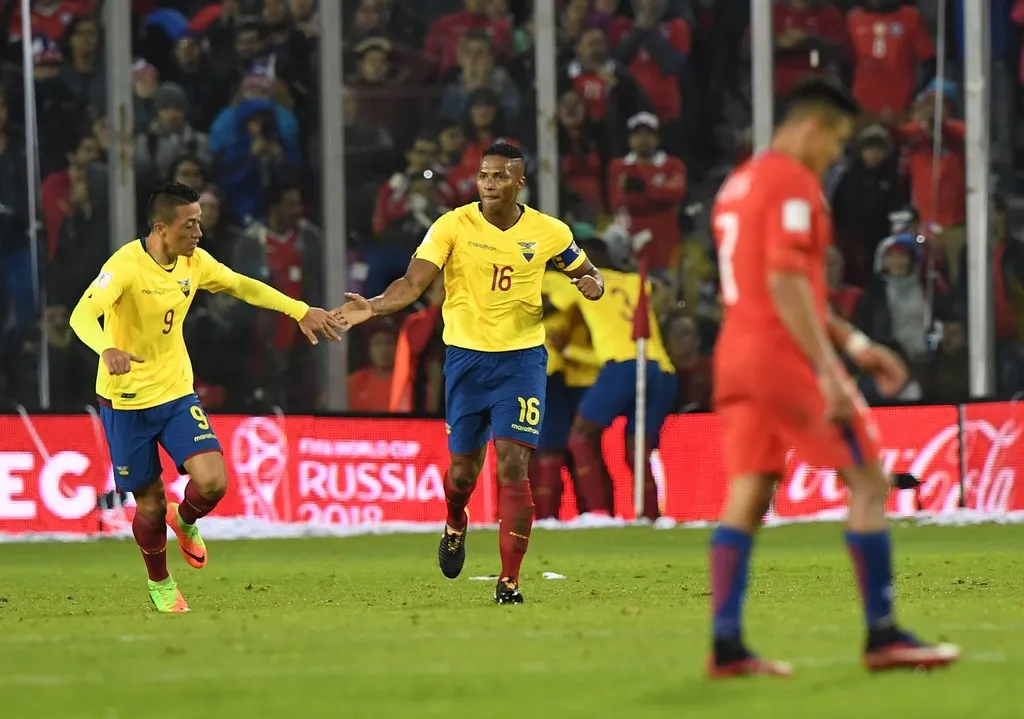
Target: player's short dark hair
{"x": 821, "y": 93}
{"x": 504, "y": 149}
{"x": 166, "y": 199}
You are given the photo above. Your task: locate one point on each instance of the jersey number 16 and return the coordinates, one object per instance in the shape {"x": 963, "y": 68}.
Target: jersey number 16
{"x": 728, "y": 228}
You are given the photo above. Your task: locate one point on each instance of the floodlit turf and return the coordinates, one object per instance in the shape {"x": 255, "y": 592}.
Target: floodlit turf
{"x": 368, "y": 627}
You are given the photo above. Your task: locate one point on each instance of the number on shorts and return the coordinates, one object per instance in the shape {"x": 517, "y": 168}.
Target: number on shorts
{"x": 168, "y": 322}
{"x": 728, "y": 228}
{"x": 501, "y": 279}
{"x": 529, "y": 411}
{"x": 200, "y": 417}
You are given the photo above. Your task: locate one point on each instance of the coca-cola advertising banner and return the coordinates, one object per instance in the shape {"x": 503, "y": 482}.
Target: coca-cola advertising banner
{"x": 362, "y": 474}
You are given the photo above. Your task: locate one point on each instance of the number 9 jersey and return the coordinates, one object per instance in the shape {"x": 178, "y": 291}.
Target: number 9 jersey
{"x": 769, "y": 216}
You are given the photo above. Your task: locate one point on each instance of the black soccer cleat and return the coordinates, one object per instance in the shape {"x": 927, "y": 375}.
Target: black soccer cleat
{"x": 451, "y": 553}
{"x": 507, "y": 591}
{"x": 905, "y": 480}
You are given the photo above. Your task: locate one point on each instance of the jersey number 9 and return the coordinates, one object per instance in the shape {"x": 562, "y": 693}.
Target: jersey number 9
{"x": 728, "y": 228}
{"x": 501, "y": 279}
{"x": 200, "y": 417}
{"x": 168, "y": 322}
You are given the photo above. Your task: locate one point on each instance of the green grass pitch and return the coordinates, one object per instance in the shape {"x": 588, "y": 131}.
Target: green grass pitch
{"x": 368, "y": 627}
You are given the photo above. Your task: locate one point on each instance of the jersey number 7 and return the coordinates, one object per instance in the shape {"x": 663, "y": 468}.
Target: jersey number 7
{"x": 728, "y": 228}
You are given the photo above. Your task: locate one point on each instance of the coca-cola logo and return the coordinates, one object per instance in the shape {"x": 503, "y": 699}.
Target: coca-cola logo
{"x": 61, "y": 498}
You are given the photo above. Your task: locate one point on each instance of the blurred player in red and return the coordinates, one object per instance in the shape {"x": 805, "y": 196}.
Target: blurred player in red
{"x": 779, "y": 383}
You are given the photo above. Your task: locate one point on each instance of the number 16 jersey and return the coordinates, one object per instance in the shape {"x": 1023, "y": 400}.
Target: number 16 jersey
{"x": 770, "y": 215}
{"x": 493, "y": 277}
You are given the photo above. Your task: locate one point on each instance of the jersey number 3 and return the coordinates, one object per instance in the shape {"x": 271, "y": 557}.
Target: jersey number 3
{"x": 728, "y": 228}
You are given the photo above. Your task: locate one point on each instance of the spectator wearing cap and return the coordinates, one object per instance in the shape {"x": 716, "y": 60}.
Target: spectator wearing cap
{"x": 383, "y": 92}
{"x": 606, "y": 86}
{"x": 648, "y": 185}
{"x": 145, "y": 81}
{"x": 864, "y": 189}
{"x": 442, "y": 44}
{"x": 168, "y": 137}
{"x": 476, "y": 70}
{"x": 946, "y": 208}
{"x": 656, "y": 51}
{"x": 369, "y": 389}
{"x": 83, "y": 70}
{"x": 203, "y": 86}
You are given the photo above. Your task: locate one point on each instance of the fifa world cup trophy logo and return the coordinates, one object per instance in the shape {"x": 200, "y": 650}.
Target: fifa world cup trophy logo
{"x": 259, "y": 453}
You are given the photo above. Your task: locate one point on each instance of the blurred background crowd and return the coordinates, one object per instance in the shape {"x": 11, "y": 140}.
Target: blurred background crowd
{"x": 654, "y": 108}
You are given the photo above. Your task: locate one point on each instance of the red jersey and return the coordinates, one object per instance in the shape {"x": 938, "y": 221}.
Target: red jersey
{"x": 54, "y": 22}
{"x": 951, "y": 208}
{"x": 887, "y": 49}
{"x": 824, "y": 21}
{"x": 769, "y": 215}
{"x": 594, "y": 88}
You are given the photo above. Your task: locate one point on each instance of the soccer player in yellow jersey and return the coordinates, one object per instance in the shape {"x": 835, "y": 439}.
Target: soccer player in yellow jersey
{"x": 144, "y": 382}
{"x": 493, "y": 254}
{"x": 572, "y": 368}
{"x": 614, "y": 393}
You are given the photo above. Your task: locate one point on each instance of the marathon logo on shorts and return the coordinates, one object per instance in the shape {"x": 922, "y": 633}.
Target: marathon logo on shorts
{"x": 529, "y": 249}
{"x": 186, "y": 289}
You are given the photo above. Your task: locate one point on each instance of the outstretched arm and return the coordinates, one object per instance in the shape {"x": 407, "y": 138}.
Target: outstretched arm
{"x": 406, "y": 289}
{"x": 312, "y": 321}
{"x": 885, "y": 365}
{"x": 400, "y": 294}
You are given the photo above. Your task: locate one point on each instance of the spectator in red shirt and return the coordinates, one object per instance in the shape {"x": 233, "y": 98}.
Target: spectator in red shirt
{"x": 948, "y": 206}
{"x": 890, "y": 44}
{"x": 648, "y": 185}
{"x": 604, "y": 16}
{"x": 656, "y": 50}
{"x": 682, "y": 340}
{"x": 369, "y": 389}
{"x": 443, "y": 38}
{"x": 606, "y": 86}
{"x": 392, "y": 196}
{"x": 581, "y": 155}
{"x": 810, "y": 38}
{"x": 51, "y": 17}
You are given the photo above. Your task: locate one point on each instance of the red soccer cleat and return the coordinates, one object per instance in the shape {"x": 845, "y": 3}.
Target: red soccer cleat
{"x": 908, "y": 653}
{"x": 748, "y": 667}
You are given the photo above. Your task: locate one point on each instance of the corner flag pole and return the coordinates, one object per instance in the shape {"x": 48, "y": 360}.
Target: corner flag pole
{"x": 641, "y": 333}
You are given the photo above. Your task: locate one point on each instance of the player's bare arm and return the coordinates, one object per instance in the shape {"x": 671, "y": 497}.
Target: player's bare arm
{"x": 588, "y": 280}
{"x": 885, "y": 366}
{"x": 793, "y": 300}
{"x": 400, "y": 294}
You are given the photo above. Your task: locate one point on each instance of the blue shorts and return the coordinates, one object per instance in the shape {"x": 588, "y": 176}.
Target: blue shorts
{"x": 614, "y": 395}
{"x": 180, "y": 426}
{"x": 493, "y": 394}
{"x": 560, "y": 403}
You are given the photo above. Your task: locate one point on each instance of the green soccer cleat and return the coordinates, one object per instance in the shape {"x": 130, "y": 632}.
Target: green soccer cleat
{"x": 192, "y": 546}
{"x": 167, "y": 597}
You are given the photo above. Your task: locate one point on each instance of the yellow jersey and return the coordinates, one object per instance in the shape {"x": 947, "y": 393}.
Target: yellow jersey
{"x": 493, "y": 277}
{"x": 143, "y": 305}
{"x": 576, "y": 361}
{"x": 610, "y": 319}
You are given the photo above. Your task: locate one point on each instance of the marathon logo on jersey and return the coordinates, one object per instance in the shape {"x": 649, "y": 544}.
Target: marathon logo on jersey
{"x": 529, "y": 249}
{"x": 186, "y": 289}
{"x": 128, "y": 395}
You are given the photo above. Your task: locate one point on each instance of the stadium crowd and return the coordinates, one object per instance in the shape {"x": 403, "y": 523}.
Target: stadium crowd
{"x": 654, "y": 108}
